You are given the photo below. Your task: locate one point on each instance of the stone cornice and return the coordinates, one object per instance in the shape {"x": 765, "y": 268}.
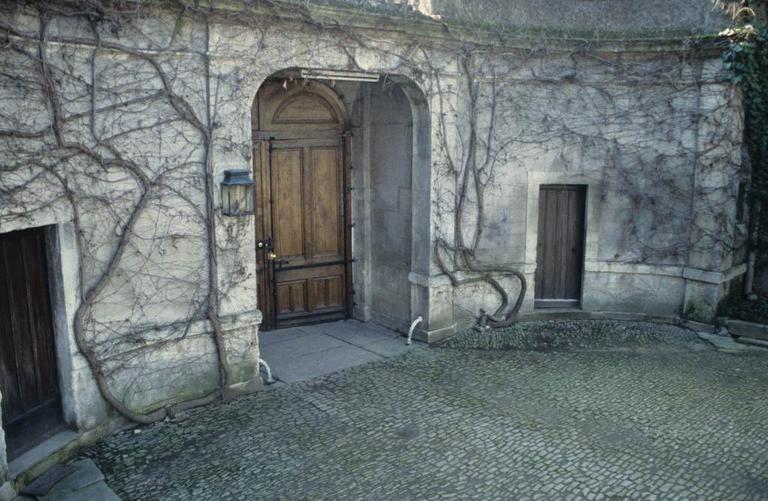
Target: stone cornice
{"x": 340, "y": 16}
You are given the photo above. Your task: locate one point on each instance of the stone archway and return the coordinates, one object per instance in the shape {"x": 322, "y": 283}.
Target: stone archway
{"x": 386, "y": 135}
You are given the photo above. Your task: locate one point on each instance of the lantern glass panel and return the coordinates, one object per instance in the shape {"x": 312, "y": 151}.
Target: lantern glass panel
{"x": 249, "y": 199}
{"x": 242, "y": 196}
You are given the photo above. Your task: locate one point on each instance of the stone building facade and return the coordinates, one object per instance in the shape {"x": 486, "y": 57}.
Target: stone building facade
{"x": 366, "y": 121}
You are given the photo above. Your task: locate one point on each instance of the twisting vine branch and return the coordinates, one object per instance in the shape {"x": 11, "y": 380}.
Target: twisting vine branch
{"x": 473, "y": 176}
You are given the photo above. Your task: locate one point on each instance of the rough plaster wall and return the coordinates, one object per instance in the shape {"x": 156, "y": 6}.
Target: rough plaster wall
{"x": 391, "y": 133}
{"x": 639, "y": 137}
{"x": 641, "y": 293}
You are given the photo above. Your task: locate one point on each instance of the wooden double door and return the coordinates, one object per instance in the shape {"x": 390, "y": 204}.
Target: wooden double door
{"x": 302, "y": 218}
{"x": 560, "y": 247}
{"x": 29, "y": 383}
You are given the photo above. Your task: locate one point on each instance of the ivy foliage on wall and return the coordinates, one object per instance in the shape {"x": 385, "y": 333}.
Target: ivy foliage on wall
{"x": 746, "y": 59}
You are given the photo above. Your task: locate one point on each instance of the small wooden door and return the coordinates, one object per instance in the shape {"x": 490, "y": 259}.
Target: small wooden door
{"x": 28, "y": 374}
{"x": 301, "y": 183}
{"x": 560, "y": 249}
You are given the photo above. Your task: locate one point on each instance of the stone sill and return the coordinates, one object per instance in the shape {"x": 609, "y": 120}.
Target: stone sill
{"x": 43, "y": 455}
{"x": 683, "y": 272}
{"x": 741, "y": 328}
{"x": 696, "y": 274}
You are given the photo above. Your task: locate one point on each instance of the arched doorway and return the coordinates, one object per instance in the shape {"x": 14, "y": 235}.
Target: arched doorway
{"x": 302, "y": 215}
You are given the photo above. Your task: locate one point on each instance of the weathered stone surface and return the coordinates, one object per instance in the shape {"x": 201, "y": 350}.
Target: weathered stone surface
{"x": 748, "y": 329}
{"x": 668, "y": 417}
{"x": 79, "y": 480}
{"x": 85, "y": 474}
{"x": 646, "y": 18}
{"x": 304, "y": 353}
{"x": 6, "y": 491}
{"x": 753, "y": 342}
{"x": 95, "y": 492}
{"x": 47, "y": 480}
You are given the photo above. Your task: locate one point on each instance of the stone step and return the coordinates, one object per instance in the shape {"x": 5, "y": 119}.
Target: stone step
{"x": 753, "y": 341}
{"x": 748, "y": 329}
{"x": 724, "y": 344}
{"x": 94, "y": 492}
{"x": 47, "y": 480}
{"x": 79, "y": 480}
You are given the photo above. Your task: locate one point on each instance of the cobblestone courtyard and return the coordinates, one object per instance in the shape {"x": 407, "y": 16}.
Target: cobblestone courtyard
{"x": 665, "y": 418}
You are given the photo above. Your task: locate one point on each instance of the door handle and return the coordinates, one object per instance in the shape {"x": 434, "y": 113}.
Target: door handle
{"x": 271, "y": 256}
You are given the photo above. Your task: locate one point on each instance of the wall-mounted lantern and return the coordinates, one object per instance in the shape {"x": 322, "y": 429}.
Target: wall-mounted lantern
{"x": 237, "y": 193}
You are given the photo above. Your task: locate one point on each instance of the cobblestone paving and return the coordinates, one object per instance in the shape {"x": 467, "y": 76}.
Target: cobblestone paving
{"x": 669, "y": 418}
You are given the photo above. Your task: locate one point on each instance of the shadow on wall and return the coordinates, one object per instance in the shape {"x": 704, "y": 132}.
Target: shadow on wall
{"x": 391, "y": 131}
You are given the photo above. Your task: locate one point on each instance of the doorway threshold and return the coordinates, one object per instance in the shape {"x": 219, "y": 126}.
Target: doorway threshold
{"x": 39, "y": 458}
{"x": 575, "y": 313}
{"x": 302, "y": 353}
{"x": 33, "y": 428}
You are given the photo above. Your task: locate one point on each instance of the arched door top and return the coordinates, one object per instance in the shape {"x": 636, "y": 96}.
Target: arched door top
{"x": 306, "y": 107}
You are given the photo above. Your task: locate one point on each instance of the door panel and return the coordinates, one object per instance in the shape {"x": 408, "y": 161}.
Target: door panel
{"x": 327, "y": 292}
{"x": 292, "y": 297}
{"x": 308, "y": 229}
{"x": 9, "y": 380}
{"x": 288, "y": 203}
{"x": 560, "y": 248}
{"x": 327, "y": 224}
{"x": 28, "y": 372}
